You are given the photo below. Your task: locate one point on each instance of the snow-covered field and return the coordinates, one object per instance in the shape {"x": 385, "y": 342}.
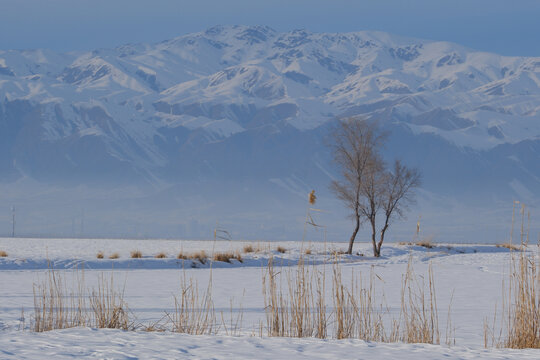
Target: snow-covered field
{"x": 468, "y": 280}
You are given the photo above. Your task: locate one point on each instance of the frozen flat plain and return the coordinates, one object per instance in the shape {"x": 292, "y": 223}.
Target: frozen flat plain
{"x": 468, "y": 280}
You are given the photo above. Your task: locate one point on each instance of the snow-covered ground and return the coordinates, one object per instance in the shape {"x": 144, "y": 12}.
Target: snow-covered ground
{"x": 468, "y": 280}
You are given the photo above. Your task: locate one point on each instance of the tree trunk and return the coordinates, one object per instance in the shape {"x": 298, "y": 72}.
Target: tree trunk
{"x": 353, "y": 236}
{"x": 376, "y": 250}
{"x": 379, "y": 245}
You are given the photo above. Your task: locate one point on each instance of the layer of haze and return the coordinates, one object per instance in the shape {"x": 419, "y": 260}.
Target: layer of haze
{"x": 500, "y": 26}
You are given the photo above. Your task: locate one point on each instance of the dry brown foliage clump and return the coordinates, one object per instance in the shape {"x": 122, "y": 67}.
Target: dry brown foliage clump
{"x": 161, "y": 255}
{"x": 281, "y": 249}
{"x": 3, "y": 253}
{"x": 136, "y": 254}
{"x": 100, "y": 255}
{"x": 227, "y": 256}
{"x": 114, "y": 256}
{"x": 508, "y": 246}
{"x": 199, "y": 256}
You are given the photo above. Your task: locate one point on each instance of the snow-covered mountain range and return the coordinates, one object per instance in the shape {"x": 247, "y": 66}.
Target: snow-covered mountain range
{"x": 237, "y": 110}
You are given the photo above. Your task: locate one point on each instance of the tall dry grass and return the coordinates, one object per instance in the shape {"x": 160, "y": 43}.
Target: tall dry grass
{"x": 3, "y": 253}
{"x": 295, "y": 306}
{"x": 194, "y": 311}
{"x": 60, "y": 305}
{"x": 358, "y": 312}
{"x": 300, "y": 311}
{"x": 523, "y": 306}
{"x": 56, "y": 306}
{"x": 419, "y": 318}
{"x": 520, "y": 317}
{"x": 108, "y": 307}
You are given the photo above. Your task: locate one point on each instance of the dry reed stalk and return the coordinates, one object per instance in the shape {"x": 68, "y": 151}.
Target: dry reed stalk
{"x": 136, "y": 254}
{"x": 100, "y": 255}
{"x": 299, "y": 312}
{"x": 520, "y": 319}
{"x": 114, "y": 256}
{"x": 161, "y": 255}
{"x": 55, "y": 307}
{"x": 235, "y": 322}
{"x": 194, "y": 314}
{"x": 523, "y": 305}
{"x": 108, "y": 306}
{"x": 276, "y": 314}
{"x": 356, "y": 315}
{"x": 345, "y": 309}
{"x": 3, "y": 253}
{"x": 312, "y": 198}
{"x": 419, "y": 315}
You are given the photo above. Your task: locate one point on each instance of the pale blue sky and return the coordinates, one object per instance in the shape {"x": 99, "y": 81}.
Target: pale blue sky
{"x": 501, "y": 26}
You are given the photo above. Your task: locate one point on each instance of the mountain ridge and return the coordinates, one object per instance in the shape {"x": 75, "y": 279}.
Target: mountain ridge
{"x": 251, "y": 107}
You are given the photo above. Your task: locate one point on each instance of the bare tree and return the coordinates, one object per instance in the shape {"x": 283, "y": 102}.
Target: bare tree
{"x": 366, "y": 186}
{"x": 354, "y": 149}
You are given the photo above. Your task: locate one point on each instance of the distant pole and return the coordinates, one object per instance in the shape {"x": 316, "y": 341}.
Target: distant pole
{"x": 82, "y": 223}
{"x": 13, "y": 221}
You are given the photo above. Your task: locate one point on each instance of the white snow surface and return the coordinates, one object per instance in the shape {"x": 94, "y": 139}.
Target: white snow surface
{"x": 468, "y": 280}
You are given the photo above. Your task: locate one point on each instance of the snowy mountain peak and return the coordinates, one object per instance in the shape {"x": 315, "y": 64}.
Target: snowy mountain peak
{"x": 147, "y": 110}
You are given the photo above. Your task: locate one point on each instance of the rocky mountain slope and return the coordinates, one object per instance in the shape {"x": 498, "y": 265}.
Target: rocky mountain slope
{"x": 236, "y": 111}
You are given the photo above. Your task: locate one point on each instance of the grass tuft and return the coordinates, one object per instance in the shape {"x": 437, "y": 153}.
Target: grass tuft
{"x": 509, "y": 246}
{"x": 100, "y": 255}
{"x": 281, "y": 249}
{"x": 114, "y": 256}
{"x": 227, "y": 256}
{"x": 425, "y": 243}
{"x": 161, "y": 255}
{"x": 200, "y": 256}
{"x": 3, "y": 253}
{"x": 249, "y": 249}
{"x": 136, "y": 254}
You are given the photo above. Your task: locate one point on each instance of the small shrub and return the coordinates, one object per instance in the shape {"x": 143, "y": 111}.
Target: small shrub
{"x": 405, "y": 243}
{"x": 136, "y": 254}
{"x": 100, "y": 255}
{"x": 281, "y": 249}
{"x": 200, "y": 256}
{"x": 161, "y": 255}
{"x": 3, "y": 253}
{"x": 227, "y": 257}
{"x": 425, "y": 243}
{"x": 114, "y": 256}
{"x": 508, "y": 246}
